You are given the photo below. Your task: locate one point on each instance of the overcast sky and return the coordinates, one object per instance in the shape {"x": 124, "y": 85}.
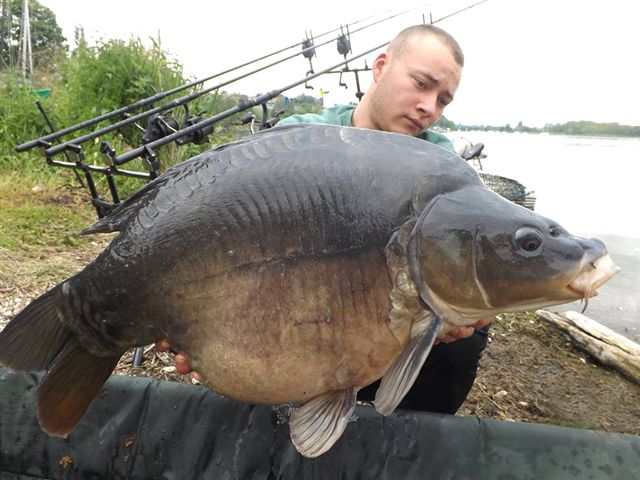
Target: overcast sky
{"x": 543, "y": 61}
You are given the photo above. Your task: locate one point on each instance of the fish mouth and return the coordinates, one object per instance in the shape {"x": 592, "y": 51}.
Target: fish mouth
{"x": 587, "y": 283}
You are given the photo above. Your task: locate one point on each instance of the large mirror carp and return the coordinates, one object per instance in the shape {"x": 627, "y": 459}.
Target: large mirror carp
{"x": 297, "y": 266}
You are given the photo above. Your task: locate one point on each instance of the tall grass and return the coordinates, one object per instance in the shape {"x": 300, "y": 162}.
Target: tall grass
{"x": 34, "y": 197}
{"x": 113, "y": 74}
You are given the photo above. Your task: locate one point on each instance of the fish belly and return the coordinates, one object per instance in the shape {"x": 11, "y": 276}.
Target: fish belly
{"x": 288, "y": 330}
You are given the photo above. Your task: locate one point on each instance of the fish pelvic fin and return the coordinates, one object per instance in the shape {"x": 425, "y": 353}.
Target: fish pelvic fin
{"x": 33, "y": 339}
{"x": 319, "y": 423}
{"x": 70, "y": 386}
{"x": 405, "y": 369}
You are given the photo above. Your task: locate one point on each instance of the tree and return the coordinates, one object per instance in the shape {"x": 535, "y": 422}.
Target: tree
{"x": 445, "y": 124}
{"x": 46, "y": 35}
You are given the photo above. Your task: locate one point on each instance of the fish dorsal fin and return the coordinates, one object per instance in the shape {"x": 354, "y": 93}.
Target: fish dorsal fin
{"x": 404, "y": 370}
{"x": 121, "y": 215}
{"x": 319, "y": 423}
{"x": 115, "y": 221}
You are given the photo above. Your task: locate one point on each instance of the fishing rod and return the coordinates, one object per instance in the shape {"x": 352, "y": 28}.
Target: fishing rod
{"x": 146, "y": 101}
{"x": 258, "y": 100}
{"x": 458, "y": 11}
{"x": 44, "y": 141}
{"x": 54, "y": 150}
{"x": 103, "y": 207}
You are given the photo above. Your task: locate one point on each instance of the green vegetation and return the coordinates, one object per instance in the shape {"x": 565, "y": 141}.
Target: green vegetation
{"x": 112, "y": 74}
{"x": 593, "y": 128}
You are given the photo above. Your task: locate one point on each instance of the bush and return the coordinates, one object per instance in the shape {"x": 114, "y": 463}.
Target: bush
{"x": 113, "y": 74}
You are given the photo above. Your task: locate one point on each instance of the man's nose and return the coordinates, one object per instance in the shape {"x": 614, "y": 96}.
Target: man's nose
{"x": 428, "y": 104}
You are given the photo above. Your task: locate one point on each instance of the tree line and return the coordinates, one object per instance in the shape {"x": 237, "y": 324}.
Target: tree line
{"x": 583, "y": 127}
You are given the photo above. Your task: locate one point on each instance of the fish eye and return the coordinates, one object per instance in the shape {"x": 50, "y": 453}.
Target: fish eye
{"x": 528, "y": 239}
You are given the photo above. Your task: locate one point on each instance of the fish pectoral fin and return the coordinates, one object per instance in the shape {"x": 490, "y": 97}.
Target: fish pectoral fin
{"x": 319, "y": 423}
{"x": 405, "y": 369}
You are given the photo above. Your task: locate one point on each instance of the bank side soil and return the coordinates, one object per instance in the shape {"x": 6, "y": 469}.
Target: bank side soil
{"x": 530, "y": 371}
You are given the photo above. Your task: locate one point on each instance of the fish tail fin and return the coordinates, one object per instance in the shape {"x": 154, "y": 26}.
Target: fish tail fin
{"x": 36, "y": 340}
{"x": 35, "y": 337}
{"x": 70, "y": 386}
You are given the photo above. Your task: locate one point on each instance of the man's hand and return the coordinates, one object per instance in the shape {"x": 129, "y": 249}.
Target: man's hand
{"x": 183, "y": 362}
{"x": 459, "y": 333}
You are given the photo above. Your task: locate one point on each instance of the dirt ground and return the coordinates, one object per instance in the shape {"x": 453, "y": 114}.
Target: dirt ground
{"x": 530, "y": 371}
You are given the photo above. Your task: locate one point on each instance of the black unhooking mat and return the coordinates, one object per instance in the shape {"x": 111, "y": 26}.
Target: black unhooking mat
{"x": 144, "y": 429}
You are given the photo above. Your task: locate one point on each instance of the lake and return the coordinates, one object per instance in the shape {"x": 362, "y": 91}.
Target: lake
{"x": 591, "y": 186}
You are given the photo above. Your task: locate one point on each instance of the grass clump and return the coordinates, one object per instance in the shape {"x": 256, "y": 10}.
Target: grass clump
{"x": 42, "y": 210}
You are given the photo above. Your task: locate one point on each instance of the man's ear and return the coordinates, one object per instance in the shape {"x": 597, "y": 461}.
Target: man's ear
{"x": 378, "y": 65}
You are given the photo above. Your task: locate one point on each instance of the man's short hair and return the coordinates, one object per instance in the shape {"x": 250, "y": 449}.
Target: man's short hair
{"x": 401, "y": 40}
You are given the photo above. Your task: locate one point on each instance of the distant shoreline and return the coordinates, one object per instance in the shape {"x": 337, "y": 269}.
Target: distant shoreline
{"x": 581, "y": 128}
{"x": 575, "y": 135}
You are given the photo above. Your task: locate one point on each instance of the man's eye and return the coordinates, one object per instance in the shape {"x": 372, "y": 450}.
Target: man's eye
{"x": 421, "y": 84}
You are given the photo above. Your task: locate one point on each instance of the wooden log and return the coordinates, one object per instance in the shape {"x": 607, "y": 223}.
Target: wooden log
{"x": 602, "y": 343}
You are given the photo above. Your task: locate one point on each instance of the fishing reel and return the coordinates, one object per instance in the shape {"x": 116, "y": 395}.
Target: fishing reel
{"x": 251, "y": 119}
{"x": 199, "y": 136}
{"x": 160, "y": 126}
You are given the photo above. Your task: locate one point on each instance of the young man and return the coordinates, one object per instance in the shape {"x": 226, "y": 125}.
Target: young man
{"x": 413, "y": 81}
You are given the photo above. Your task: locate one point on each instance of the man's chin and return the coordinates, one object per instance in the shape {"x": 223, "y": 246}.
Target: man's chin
{"x": 405, "y": 129}
{"x": 413, "y": 129}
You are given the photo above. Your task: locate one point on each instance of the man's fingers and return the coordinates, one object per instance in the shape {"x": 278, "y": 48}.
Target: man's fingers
{"x": 458, "y": 333}
{"x": 163, "y": 345}
{"x": 182, "y": 363}
{"x": 483, "y": 323}
{"x": 446, "y": 339}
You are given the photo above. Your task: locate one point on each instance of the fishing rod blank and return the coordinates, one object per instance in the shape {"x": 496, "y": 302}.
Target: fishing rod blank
{"x": 54, "y": 150}
{"x": 51, "y": 151}
{"x": 103, "y": 207}
{"x": 259, "y": 99}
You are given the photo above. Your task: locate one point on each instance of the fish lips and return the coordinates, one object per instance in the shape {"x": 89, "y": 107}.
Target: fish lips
{"x": 586, "y": 284}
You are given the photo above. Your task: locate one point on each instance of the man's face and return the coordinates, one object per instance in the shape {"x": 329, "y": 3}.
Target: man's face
{"x": 412, "y": 87}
